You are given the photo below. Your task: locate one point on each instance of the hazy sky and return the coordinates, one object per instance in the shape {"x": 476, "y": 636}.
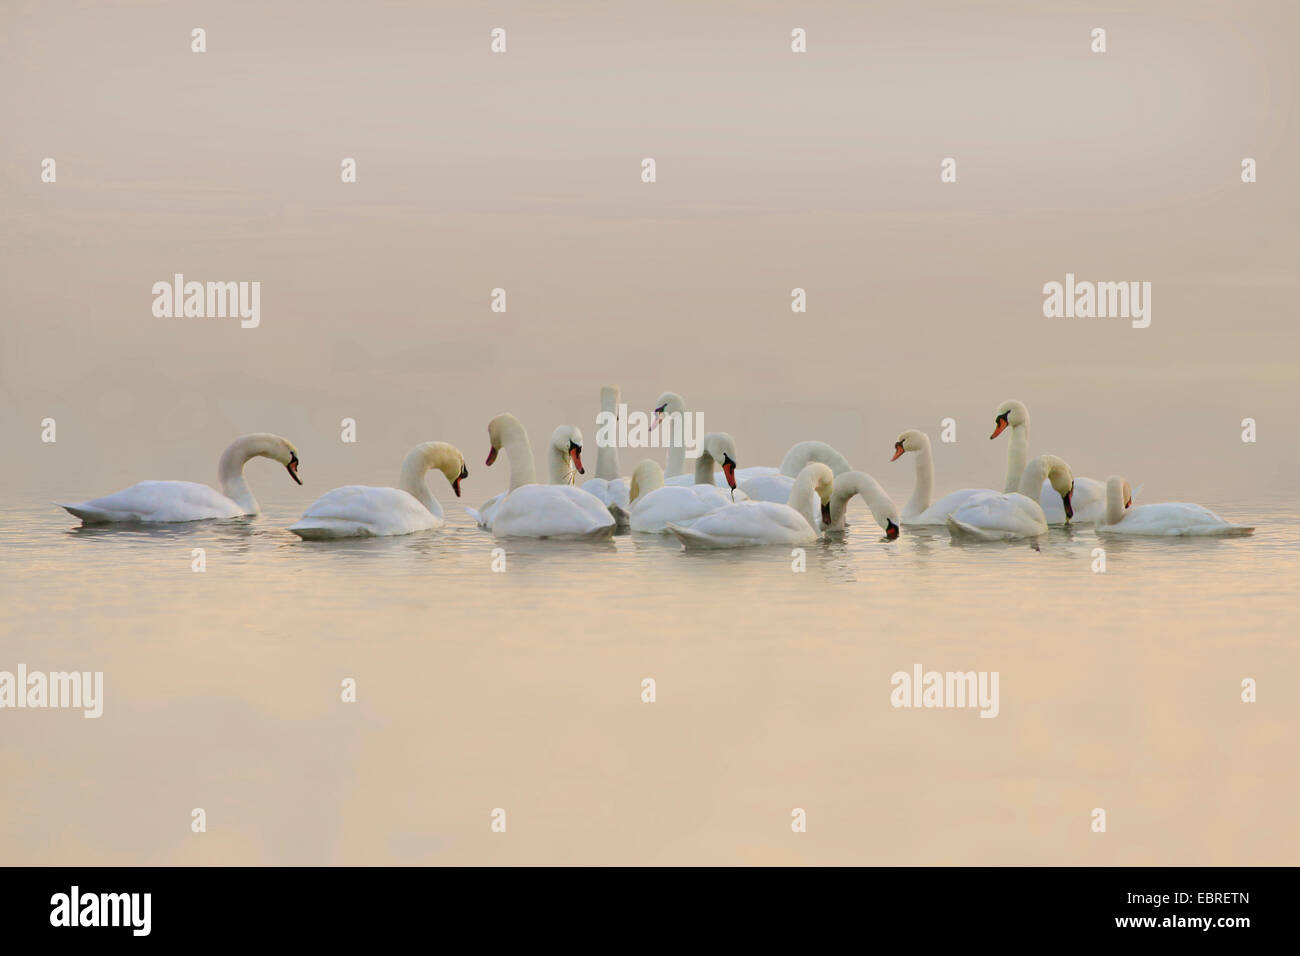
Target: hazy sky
{"x": 522, "y": 171}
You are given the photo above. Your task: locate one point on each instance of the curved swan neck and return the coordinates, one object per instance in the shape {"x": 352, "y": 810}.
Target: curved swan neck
{"x": 1114, "y": 500}
{"x": 514, "y": 442}
{"x": 923, "y": 494}
{"x": 1032, "y": 478}
{"x": 853, "y": 483}
{"x": 230, "y": 470}
{"x": 1017, "y": 456}
{"x": 417, "y": 463}
{"x": 607, "y": 455}
{"x": 803, "y": 499}
{"x": 806, "y": 452}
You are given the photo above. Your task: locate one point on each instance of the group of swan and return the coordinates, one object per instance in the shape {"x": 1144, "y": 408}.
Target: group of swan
{"x": 795, "y": 503}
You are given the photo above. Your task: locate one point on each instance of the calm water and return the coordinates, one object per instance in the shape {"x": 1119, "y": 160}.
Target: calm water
{"x": 522, "y": 690}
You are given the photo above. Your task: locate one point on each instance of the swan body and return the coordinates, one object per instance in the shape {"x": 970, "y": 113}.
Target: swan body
{"x": 530, "y": 510}
{"x": 654, "y": 505}
{"x": 990, "y": 516}
{"x": 178, "y": 501}
{"x": 751, "y": 523}
{"x": 920, "y": 510}
{"x": 1168, "y": 520}
{"x": 361, "y": 511}
{"x": 771, "y": 484}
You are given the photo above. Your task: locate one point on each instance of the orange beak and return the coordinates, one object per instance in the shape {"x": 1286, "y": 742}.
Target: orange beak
{"x": 492, "y": 456}
{"x": 898, "y": 451}
{"x": 1002, "y": 425}
{"x": 729, "y": 471}
{"x": 576, "y": 455}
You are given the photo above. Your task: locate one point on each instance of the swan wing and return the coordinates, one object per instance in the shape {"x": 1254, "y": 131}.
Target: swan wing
{"x": 995, "y": 517}
{"x": 775, "y": 488}
{"x": 1174, "y": 519}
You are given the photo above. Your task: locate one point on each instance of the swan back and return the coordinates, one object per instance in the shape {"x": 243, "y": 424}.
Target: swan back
{"x": 810, "y": 451}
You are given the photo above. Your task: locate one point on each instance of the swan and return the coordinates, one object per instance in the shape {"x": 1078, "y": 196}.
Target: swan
{"x": 919, "y": 510}
{"x": 1168, "y": 519}
{"x": 170, "y": 501}
{"x": 749, "y": 523}
{"x": 716, "y": 449}
{"x": 670, "y": 404}
{"x": 850, "y": 483}
{"x": 608, "y": 485}
{"x": 541, "y": 511}
{"x": 358, "y": 511}
{"x": 777, "y": 487}
{"x": 1089, "y": 500}
{"x": 563, "y": 465}
{"x": 1003, "y": 517}
{"x": 654, "y": 504}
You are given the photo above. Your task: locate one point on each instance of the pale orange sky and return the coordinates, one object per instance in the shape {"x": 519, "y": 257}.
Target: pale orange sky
{"x": 775, "y": 170}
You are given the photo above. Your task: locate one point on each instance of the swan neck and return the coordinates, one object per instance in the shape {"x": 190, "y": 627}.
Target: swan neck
{"x": 923, "y": 494}
{"x": 607, "y": 454}
{"x": 1031, "y": 481}
{"x": 414, "y": 467}
{"x": 230, "y": 470}
{"x": 704, "y": 469}
{"x": 520, "y": 454}
{"x": 559, "y": 467}
{"x": 803, "y": 499}
{"x": 1017, "y": 457}
{"x": 807, "y": 452}
{"x": 1114, "y": 501}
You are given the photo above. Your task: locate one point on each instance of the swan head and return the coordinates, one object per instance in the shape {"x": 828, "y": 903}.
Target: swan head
{"x": 1062, "y": 479}
{"x": 448, "y": 460}
{"x": 567, "y": 440}
{"x": 499, "y": 432}
{"x": 666, "y": 404}
{"x": 1010, "y": 414}
{"x": 910, "y": 440}
{"x": 822, "y": 480}
{"x": 646, "y": 477}
{"x": 265, "y": 445}
{"x": 720, "y": 447}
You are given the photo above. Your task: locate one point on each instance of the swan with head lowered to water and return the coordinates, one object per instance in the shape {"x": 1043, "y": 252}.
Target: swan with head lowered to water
{"x": 777, "y": 487}
{"x": 850, "y": 483}
{"x": 990, "y": 516}
{"x": 360, "y": 511}
{"x": 1171, "y": 519}
{"x": 175, "y": 501}
{"x": 750, "y": 523}
{"x": 541, "y": 511}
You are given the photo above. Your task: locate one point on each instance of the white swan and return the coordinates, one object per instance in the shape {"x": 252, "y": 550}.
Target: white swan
{"x": 1002, "y": 517}
{"x": 1168, "y": 519}
{"x": 749, "y": 523}
{"x": 1089, "y": 499}
{"x": 655, "y": 504}
{"x": 541, "y": 511}
{"x": 850, "y": 483}
{"x": 608, "y": 485}
{"x": 171, "y": 501}
{"x": 717, "y": 449}
{"x": 670, "y": 405}
{"x": 563, "y": 465}
{"x": 358, "y": 511}
{"x": 777, "y": 487}
{"x": 919, "y": 510}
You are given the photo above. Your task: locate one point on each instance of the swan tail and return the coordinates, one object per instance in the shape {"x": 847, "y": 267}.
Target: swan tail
{"x": 87, "y": 514}
{"x": 688, "y": 537}
{"x": 960, "y": 529}
{"x": 324, "y": 529}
